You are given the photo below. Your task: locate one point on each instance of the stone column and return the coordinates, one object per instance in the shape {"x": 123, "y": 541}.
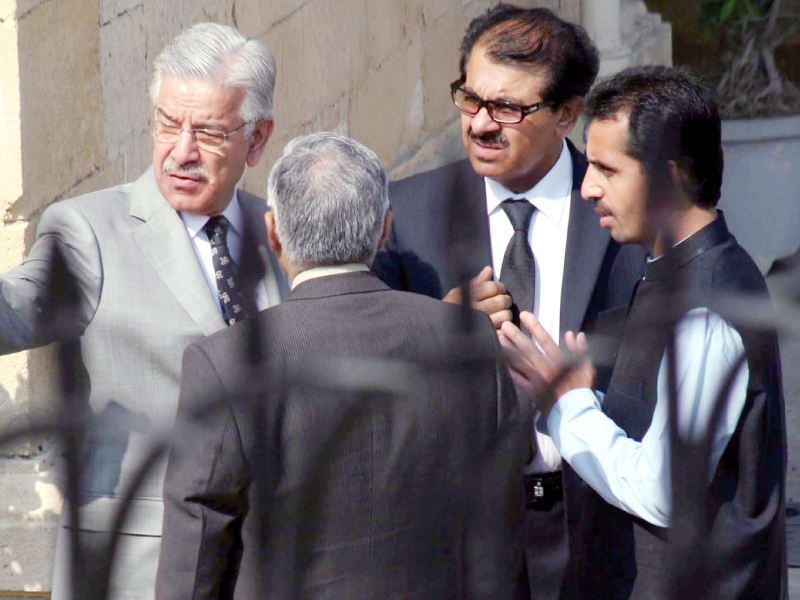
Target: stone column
{"x": 602, "y": 19}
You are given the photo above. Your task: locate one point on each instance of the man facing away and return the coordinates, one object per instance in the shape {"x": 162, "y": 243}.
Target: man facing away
{"x": 375, "y": 448}
{"x": 154, "y": 267}
{"x": 655, "y": 172}
{"x": 512, "y": 214}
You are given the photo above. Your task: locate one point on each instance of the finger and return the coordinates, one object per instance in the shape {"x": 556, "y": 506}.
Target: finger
{"x": 454, "y": 296}
{"x": 571, "y": 342}
{"x": 514, "y": 358}
{"x": 498, "y": 318}
{"x": 522, "y": 384}
{"x": 486, "y": 289}
{"x": 582, "y": 343}
{"x": 484, "y": 275}
{"x": 526, "y": 347}
{"x": 539, "y": 333}
{"x": 493, "y": 304}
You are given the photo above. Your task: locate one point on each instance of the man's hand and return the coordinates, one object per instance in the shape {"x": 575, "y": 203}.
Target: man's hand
{"x": 537, "y": 373}
{"x": 486, "y": 295}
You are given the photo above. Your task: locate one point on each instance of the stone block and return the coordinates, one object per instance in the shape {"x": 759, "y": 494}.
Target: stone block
{"x": 123, "y": 63}
{"x": 275, "y": 12}
{"x": 391, "y": 24}
{"x": 308, "y": 78}
{"x": 164, "y": 20}
{"x": 30, "y": 505}
{"x": 61, "y": 101}
{"x": 434, "y": 152}
{"x": 432, "y": 11}
{"x": 10, "y": 132}
{"x": 387, "y": 110}
{"x": 441, "y": 43}
{"x": 247, "y": 17}
{"x": 109, "y": 9}
{"x": 8, "y": 10}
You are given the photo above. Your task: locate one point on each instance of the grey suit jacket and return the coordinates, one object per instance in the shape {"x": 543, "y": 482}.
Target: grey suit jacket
{"x": 333, "y": 487}
{"x": 140, "y": 299}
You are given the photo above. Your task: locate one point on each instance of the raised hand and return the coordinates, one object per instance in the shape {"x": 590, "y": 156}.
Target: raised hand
{"x": 545, "y": 373}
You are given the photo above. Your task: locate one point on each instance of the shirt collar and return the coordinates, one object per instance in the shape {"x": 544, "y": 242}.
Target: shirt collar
{"x": 195, "y": 222}
{"x": 315, "y": 272}
{"x": 688, "y": 249}
{"x": 549, "y": 195}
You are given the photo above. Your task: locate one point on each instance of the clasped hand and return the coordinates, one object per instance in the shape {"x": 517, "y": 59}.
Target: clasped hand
{"x": 486, "y": 295}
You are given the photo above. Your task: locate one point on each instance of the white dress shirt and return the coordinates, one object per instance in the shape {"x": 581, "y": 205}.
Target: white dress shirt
{"x": 315, "y": 272}
{"x": 547, "y": 236}
{"x": 635, "y": 476}
{"x": 195, "y": 224}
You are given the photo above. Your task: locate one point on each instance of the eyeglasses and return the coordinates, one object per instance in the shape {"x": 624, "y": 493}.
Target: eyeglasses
{"x": 499, "y": 111}
{"x": 205, "y": 138}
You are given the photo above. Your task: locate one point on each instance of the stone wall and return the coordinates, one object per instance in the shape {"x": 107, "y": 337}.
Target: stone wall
{"x": 75, "y": 111}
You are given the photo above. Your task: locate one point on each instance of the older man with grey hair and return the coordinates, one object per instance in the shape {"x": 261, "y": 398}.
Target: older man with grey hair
{"x": 154, "y": 267}
{"x": 373, "y": 452}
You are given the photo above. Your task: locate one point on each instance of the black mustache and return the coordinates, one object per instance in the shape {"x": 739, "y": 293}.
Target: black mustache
{"x": 490, "y": 138}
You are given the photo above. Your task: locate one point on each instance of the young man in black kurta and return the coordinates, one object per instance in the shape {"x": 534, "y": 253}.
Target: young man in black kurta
{"x": 655, "y": 157}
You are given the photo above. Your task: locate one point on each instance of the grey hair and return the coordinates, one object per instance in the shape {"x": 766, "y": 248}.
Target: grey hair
{"x": 330, "y": 195}
{"x": 226, "y": 57}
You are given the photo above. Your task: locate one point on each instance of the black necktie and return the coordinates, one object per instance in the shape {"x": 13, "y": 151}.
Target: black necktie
{"x": 518, "y": 270}
{"x": 224, "y": 269}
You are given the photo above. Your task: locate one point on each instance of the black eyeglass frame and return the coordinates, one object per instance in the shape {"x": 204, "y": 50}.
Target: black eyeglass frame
{"x": 456, "y": 86}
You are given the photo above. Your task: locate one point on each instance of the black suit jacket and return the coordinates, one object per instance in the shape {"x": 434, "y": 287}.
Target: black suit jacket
{"x": 440, "y": 239}
{"x": 373, "y": 451}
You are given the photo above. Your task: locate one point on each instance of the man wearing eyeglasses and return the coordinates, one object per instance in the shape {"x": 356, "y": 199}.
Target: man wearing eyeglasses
{"x": 155, "y": 265}
{"x": 510, "y": 222}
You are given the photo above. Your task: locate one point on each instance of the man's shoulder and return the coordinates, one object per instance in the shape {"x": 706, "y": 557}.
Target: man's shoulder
{"x": 115, "y": 199}
{"x": 442, "y": 176}
{"x": 735, "y": 270}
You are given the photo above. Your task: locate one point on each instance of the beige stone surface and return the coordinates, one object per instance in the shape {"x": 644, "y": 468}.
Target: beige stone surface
{"x": 441, "y": 41}
{"x": 387, "y": 111}
{"x": 10, "y": 133}
{"x": 30, "y": 504}
{"x": 62, "y": 141}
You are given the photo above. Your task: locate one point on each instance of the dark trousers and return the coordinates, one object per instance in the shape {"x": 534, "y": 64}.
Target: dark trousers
{"x": 546, "y": 554}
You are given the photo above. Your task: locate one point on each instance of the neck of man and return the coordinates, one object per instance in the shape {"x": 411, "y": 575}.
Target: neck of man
{"x": 523, "y": 183}
{"x": 683, "y": 222}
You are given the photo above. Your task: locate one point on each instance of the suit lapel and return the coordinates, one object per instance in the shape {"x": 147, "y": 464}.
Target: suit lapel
{"x": 586, "y": 246}
{"x": 468, "y": 222}
{"x": 163, "y": 240}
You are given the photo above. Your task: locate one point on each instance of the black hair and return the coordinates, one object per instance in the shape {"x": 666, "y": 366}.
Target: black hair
{"x": 536, "y": 39}
{"x": 672, "y": 115}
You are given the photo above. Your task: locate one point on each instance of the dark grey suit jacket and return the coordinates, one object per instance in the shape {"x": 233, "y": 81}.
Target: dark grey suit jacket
{"x": 374, "y": 451}
{"x": 440, "y": 239}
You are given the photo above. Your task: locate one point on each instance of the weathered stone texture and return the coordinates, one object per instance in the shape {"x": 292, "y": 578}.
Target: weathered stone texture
{"x": 29, "y": 507}
{"x": 62, "y": 139}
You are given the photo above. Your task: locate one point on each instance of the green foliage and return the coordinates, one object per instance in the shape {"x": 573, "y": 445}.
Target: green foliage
{"x": 734, "y": 16}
